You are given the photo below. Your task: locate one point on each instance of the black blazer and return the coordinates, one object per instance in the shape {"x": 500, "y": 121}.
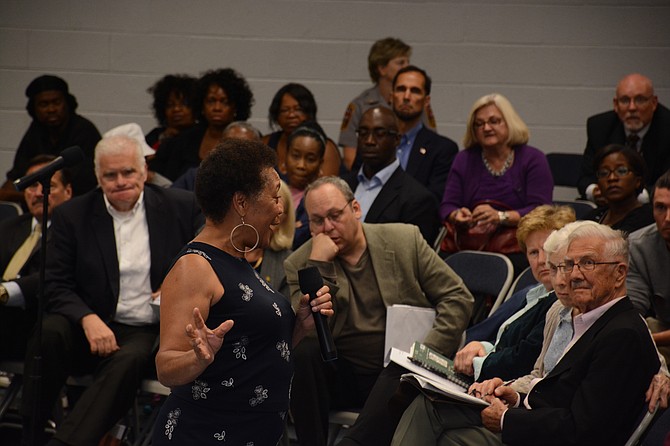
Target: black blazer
{"x": 430, "y": 160}
{"x": 83, "y": 270}
{"x": 606, "y": 128}
{"x": 14, "y": 232}
{"x": 596, "y": 391}
{"x": 403, "y": 200}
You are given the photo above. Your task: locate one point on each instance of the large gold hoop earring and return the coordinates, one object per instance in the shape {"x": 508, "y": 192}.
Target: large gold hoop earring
{"x": 258, "y": 238}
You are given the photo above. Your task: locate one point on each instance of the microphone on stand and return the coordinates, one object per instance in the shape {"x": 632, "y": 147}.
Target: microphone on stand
{"x": 68, "y": 157}
{"x": 310, "y": 281}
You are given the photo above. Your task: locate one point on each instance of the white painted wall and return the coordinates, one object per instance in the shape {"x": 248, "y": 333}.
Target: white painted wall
{"x": 557, "y": 61}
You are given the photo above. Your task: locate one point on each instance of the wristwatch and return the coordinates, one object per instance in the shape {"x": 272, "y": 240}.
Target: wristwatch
{"x": 4, "y": 295}
{"x": 503, "y": 216}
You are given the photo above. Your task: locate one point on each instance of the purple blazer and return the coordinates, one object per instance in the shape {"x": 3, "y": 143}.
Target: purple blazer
{"x": 526, "y": 185}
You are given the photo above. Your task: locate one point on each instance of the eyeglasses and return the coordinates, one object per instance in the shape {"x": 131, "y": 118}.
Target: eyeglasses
{"x": 333, "y": 216}
{"x": 619, "y": 172}
{"x": 639, "y": 100}
{"x": 582, "y": 265}
{"x": 553, "y": 269}
{"x": 493, "y": 122}
{"x": 295, "y": 110}
{"x": 378, "y": 132}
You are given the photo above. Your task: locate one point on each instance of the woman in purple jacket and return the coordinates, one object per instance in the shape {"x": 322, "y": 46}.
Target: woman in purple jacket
{"x": 497, "y": 164}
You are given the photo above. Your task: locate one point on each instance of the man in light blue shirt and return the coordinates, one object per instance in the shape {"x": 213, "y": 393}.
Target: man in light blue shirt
{"x": 385, "y": 192}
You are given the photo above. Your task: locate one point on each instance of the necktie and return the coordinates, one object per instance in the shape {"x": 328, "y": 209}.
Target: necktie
{"x": 561, "y": 339}
{"x": 632, "y": 140}
{"x": 22, "y": 254}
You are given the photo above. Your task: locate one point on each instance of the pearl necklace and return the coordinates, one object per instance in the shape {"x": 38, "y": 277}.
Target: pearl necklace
{"x": 505, "y": 167}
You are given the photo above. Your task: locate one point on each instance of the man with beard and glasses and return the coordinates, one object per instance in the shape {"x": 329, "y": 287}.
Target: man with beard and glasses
{"x": 638, "y": 121}
{"x": 422, "y": 153}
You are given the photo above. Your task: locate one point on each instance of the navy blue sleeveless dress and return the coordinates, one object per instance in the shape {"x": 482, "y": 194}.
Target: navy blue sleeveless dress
{"x": 243, "y": 396}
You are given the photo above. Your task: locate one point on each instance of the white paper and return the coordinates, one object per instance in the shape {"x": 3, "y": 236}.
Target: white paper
{"x": 404, "y": 325}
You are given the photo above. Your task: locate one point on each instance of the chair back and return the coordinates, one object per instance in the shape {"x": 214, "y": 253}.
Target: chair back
{"x": 582, "y": 207}
{"x": 487, "y": 275}
{"x": 645, "y": 421}
{"x": 9, "y": 209}
{"x": 565, "y": 168}
{"x": 522, "y": 281}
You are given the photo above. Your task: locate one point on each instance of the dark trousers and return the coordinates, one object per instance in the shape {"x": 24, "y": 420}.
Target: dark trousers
{"x": 319, "y": 387}
{"x": 65, "y": 351}
{"x": 16, "y": 324}
{"x": 382, "y": 411}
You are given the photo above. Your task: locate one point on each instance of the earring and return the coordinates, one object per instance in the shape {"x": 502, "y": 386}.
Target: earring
{"x": 258, "y": 239}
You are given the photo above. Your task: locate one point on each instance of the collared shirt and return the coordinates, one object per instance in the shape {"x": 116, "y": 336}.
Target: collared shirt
{"x": 16, "y": 298}
{"x": 640, "y": 135}
{"x": 131, "y": 233}
{"x": 367, "y": 190}
{"x": 406, "y": 143}
{"x": 581, "y": 323}
{"x": 533, "y": 296}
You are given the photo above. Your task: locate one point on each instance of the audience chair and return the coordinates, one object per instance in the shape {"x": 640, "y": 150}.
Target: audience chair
{"x": 9, "y": 209}
{"x": 582, "y": 207}
{"x": 339, "y": 419}
{"x": 658, "y": 430}
{"x": 523, "y": 280}
{"x": 565, "y": 169}
{"x": 487, "y": 276}
{"x": 14, "y": 368}
{"x": 646, "y": 418}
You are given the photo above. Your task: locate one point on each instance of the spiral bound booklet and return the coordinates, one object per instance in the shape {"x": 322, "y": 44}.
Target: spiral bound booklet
{"x": 432, "y": 383}
{"x": 431, "y": 360}
{"x": 428, "y": 381}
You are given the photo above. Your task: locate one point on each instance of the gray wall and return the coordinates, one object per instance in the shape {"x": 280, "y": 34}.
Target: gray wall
{"x": 557, "y": 61}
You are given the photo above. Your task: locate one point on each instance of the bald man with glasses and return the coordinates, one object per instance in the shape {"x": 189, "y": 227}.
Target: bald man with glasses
{"x": 638, "y": 121}
{"x": 368, "y": 267}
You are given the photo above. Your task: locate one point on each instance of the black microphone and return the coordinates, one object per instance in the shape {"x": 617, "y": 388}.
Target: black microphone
{"x": 310, "y": 281}
{"x": 68, "y": 157}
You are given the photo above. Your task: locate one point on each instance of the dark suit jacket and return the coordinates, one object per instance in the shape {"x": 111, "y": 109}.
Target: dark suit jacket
{"x": 14, "y": 232}
{"x": 596, "y": 391}
{"x": 403, "y": 200}
{"x": 520, "y": 344}
{"x": 83, "y": 269}
{"x": 430, "y": 160}
{"x": 606, "y": 128}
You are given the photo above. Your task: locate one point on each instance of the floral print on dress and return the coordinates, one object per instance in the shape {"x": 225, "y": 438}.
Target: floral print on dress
{"x": 261, "y": 395}
{"x": 200, "y": 389}
{"x": 277, "y": 309}
{"x": 220, "y": 436}
{"x": 284, "y": 351}
{"x": 227, "y": 383}
{"x": 247, "y": 292}
{"x": 265, "y": 285}
{"x": 240, "y": 348}
{"x": 173, "y": 419}
{"x": 199, "y": 252}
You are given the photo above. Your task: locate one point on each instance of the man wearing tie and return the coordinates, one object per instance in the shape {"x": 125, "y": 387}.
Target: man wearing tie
{"x": 19, "y": 260}
{"x": 638, "y": 121}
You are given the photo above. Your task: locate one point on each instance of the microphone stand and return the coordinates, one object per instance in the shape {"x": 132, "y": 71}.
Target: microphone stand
{"x": 37, "y": 358}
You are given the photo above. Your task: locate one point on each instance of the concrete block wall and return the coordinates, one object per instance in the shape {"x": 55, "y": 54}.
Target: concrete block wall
{"x": 556, "y": 60}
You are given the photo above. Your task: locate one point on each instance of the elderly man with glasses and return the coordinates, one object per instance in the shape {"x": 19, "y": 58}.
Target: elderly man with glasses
{"x": 591, "y": 393}
{"x": 637, "y": 121}
{"x": 368, "y": 268}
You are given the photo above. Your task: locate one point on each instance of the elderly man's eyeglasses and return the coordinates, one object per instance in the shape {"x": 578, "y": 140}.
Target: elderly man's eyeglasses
{"x": 582, "y": 265}
{"x": 334, "y": 216}
{"x": 493, "y": 122}
{"x": 639, "y": 100}
{"x": 619, "y": 172}
{"x": 378, "y": 132}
